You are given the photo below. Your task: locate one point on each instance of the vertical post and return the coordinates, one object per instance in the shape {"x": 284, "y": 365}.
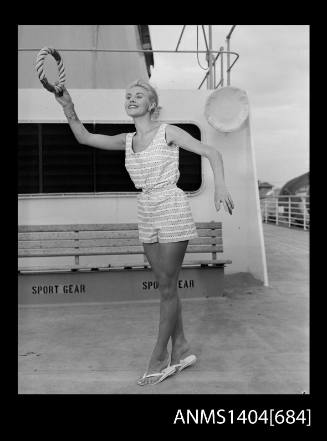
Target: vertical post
{"x": 289, "y": 211}
{"x": 228, "y": 61}
{"x": 214, "y": 76}
{"x": 265, "y": 201}
{"x": 210, "y": 76}
{"x": 222, "y": 66}
{"x": 304, "y": 213}
{"x": 228, "y": 55}
{"x": 276, "y": 211}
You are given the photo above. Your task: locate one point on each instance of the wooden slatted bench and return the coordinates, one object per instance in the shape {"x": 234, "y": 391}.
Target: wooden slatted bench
{"x": 107, "y": 240}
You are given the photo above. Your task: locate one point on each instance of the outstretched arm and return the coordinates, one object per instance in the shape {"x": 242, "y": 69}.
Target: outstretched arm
{"x": 82, "y": 135}
{"x": 177, "y": 136}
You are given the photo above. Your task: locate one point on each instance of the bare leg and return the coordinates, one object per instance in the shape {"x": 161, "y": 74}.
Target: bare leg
{"x": 166, "y": 260}
{"x": 153, "y": 255}
{"x": 180, "y": 346}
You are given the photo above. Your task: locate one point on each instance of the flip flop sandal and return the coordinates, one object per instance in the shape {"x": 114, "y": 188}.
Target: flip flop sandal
{"x": 169, "y": 370}
{"x": 186, "y": 362}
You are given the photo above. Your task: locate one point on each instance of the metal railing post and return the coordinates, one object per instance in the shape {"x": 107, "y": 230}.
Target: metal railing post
{"x": 228, "y": 54}
{"x": 304, "y": 213}
{"x": 210, "y": 76}
{"x": 265, "y": 210}
{"x": 222, "y": 66}
{"x": 289, "y": 211}
{"x": 214, "y": 75}
{"x": 276, "y": 213}
{"x": 228, "y": 62}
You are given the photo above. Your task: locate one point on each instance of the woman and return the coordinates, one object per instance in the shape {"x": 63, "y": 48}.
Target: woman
{"x": 164, "y": 216}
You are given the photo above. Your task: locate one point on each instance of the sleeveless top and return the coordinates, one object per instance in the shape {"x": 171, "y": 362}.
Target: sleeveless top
{"x": 156, "y": 166}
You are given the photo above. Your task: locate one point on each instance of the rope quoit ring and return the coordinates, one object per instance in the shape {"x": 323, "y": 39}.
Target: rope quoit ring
{"x": 44, "y": 52}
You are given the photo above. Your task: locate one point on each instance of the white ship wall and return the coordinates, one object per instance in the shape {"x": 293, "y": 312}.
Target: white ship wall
{"x": 242, "y": 232}
{"x": 87, "y": 69}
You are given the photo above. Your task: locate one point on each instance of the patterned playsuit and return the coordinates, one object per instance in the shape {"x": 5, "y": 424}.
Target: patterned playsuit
{"x": 164, "y": 213}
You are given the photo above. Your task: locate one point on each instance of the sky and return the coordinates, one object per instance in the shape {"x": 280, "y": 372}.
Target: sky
{"x": 273, "y": 68}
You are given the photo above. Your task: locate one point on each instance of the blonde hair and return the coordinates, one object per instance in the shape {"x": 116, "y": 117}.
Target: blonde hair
{"x": 153, "y": 96}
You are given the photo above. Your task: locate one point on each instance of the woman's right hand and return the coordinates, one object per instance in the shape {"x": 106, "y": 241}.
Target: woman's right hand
{"x": 65, "y": 99}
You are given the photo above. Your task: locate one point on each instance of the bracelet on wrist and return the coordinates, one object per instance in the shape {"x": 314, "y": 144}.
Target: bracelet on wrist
{"x": 69, "y": 110}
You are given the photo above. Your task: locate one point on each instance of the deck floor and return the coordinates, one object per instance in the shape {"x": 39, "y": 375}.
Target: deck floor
{"x": 250, "y": 341}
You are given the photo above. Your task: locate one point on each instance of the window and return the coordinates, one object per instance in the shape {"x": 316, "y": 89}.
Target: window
{"x": 50, "y": 160}
{"x": 28, "y": 159}
{"x": 67, "y": 166}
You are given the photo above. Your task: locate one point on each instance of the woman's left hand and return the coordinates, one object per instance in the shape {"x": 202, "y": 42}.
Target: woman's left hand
{"x": 223, "y": 196}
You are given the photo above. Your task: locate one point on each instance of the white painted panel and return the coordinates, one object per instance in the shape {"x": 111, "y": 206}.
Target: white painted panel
{"x": 242, "y": 232}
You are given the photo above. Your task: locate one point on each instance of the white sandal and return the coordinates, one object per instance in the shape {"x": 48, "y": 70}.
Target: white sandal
{"x": 169, "y": 370}
{"x": 187, "y": 361}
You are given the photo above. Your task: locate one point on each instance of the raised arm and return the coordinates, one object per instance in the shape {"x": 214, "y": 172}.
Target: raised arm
{"x": 177, "y": 136}
{"x": 82, "y": 135}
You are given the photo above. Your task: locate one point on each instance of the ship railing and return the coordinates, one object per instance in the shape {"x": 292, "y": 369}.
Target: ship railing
{"x": 287, "y": 210}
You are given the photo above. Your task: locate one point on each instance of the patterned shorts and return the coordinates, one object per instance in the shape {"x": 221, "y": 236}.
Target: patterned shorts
{"x": 165, "y": 216}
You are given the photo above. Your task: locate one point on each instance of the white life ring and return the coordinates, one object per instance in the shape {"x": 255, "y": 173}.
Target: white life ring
{"x": 227, "y": 108}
